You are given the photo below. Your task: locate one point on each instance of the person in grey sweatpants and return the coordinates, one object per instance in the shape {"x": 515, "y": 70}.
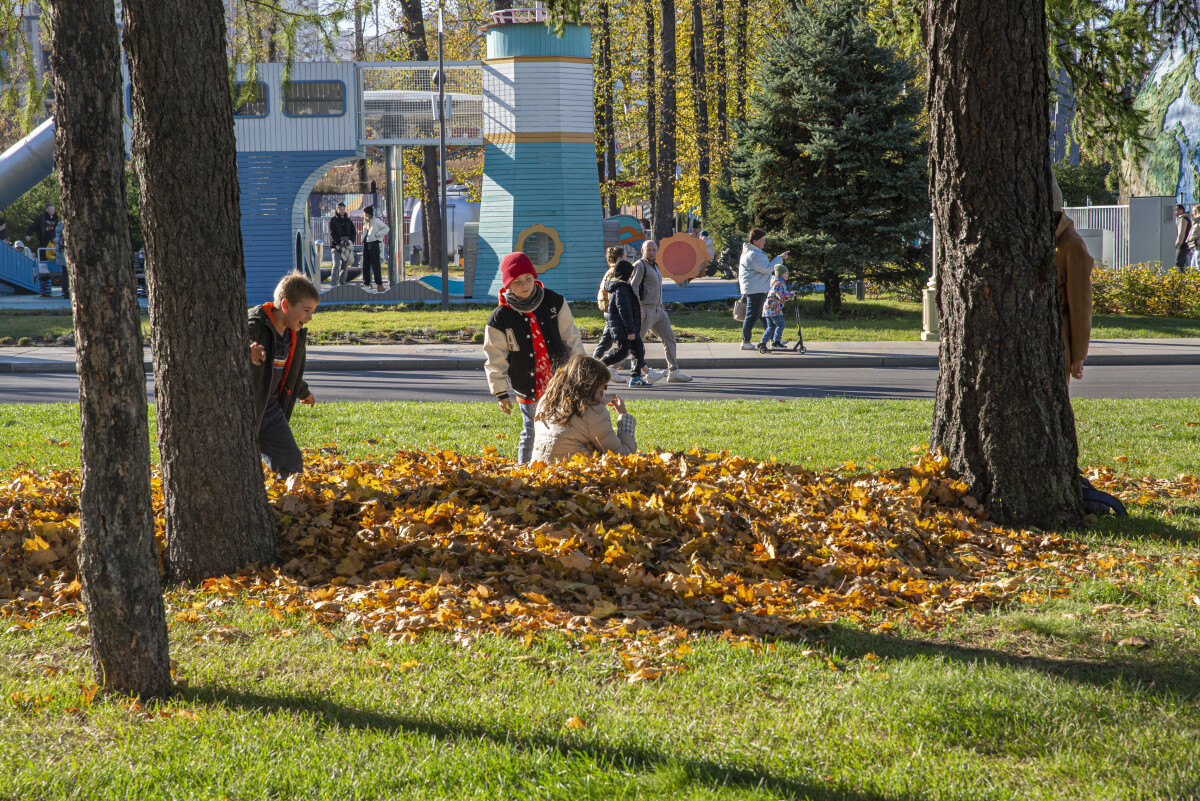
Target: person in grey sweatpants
{"x": 647, "y": 283}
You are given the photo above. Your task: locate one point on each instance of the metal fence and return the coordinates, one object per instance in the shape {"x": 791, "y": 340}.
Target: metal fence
{"x": 1108, "y": 218}
{"x": 399, "y": 103}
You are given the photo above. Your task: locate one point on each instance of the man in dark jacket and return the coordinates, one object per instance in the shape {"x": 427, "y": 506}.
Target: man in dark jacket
{"x": 341, "y": 239}
{"x": 277, "y": 353}
{"x": 41, "y": 230}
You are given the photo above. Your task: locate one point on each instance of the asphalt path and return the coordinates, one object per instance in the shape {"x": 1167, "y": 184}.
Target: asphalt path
{"x": 722, "y": 384}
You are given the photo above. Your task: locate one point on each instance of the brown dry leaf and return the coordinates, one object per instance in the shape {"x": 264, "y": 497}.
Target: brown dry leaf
{"x": 226, "y": 634}
{"x": 645, "y": 674}
{"x": 603, "y": 609}
{"x": 1135, "y": 642}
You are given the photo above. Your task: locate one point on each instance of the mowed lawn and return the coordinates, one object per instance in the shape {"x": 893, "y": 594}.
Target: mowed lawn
{"x": 1042, "y": 699}
{"x": 860, "y": 321}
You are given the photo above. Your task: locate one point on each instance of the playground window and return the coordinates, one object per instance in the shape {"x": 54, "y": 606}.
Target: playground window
{"x": 314, "y": 99}
{"x": 253, "y": 106}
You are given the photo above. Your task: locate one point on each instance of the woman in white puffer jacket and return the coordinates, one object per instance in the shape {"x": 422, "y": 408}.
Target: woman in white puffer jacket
{"x": 754, "y": 281}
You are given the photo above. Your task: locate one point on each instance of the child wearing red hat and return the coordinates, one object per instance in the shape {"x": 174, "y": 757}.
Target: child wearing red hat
{"x": 529, "y": 336}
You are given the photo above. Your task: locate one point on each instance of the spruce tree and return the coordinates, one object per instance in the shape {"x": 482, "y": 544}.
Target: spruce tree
{"x": 830, "y": 161}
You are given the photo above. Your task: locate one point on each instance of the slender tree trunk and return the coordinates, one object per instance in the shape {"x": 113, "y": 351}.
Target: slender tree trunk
{"x": 664, "y": 196}
{"x": 360, "y": 54}
{"x": 431, "y": 210}
{"x": 605, "y": 121}
{"x": 720, "y": 83}
{"x": 1003, "y": 415}
{"x": 184, "y": 154}
{"x": 118, "y": 560}
{"x": 743, "y": 39}
{"x": 700, "y": 100}
{"x": 832, "y": 305}
{"x": 501, "y": 5}
{"x": 651, "y": 107}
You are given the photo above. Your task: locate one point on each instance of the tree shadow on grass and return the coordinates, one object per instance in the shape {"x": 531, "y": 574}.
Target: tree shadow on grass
{"x": 1141, "y": 524}
{"x": 702, "y": 773}
{"x": 1162, "y": 679}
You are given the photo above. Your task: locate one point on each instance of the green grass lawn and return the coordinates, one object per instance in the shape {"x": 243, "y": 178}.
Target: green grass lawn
{"x": 860, "y": 321}
{"x": 1157, "y": 437}
{"x": 1037, "y": 700}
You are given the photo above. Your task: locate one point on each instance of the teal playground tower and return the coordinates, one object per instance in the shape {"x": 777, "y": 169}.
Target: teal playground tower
{"x": 541, "y": 193}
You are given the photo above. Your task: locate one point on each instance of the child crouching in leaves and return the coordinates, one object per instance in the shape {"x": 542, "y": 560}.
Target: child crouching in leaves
{"x": 571, "y": 417}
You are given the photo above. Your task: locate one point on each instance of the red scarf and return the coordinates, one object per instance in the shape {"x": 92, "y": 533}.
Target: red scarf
{"x": 541, "y": 355}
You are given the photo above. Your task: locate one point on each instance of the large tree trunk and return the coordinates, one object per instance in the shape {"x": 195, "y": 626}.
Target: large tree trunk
{"x": 721, "y": 80}
{"x": 700, "y": 100}
{"x": 431, "y": 210}
{"x": 832, "y": 305}
{"x": 184, "y": 154}
{"x": 664, "y": 184}
{"x": 118, "y": 561}
{"x": 1003, "y": 416}
{"x": 651, "y": 108}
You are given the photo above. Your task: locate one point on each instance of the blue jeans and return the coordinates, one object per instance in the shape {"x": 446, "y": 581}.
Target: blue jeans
{"x": 774, "y": 332}
{"x": 754, "y": 304}
{"x": 276, "y": 444}
{"x": 525, "y": 445}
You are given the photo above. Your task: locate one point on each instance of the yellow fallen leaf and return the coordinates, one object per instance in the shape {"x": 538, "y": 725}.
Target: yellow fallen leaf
{"x": 575, "y": 722}
{"x": 603, "y": 609}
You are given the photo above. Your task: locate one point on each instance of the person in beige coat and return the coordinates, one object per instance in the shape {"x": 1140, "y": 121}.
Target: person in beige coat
{"x": 1074, "y": 265}
{"x": 572, "y": 418}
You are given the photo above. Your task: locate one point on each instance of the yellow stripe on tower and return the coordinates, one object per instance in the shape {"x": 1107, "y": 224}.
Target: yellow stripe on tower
{"x": 582, "y": 137}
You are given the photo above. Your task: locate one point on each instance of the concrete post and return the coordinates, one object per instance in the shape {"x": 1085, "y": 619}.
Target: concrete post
{"x": 929, "y": 299}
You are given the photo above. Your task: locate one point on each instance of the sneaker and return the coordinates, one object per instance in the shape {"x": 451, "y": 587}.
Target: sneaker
{"x": 638, "y": 381}
{"x": 779, "y": 345}
{"x": 747, "y": 346}
{"x": 762, "y": 347}
{"x": 653, "y": 375}
{"x": 368, "y": 289}
{"x": 616, "y": 376}
{"x": 677, "y": 377}
{"x": 380, "y": 290}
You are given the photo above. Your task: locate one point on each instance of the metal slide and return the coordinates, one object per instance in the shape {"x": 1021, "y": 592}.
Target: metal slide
{"x": 21, "y": 167}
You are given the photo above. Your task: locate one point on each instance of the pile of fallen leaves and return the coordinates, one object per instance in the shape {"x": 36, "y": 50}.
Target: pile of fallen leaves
{"x": 680, "y": 541}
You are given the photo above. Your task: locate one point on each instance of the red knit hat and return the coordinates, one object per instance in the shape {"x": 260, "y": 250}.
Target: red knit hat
{"x": 513, "y": 266}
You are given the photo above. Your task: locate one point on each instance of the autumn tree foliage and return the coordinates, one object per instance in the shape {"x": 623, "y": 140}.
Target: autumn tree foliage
{"x": 830, "y": 161}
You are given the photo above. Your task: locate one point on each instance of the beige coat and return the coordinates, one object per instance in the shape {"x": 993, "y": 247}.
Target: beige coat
{"x": 1074, "y": 290}
{"x": 589, "y": 433}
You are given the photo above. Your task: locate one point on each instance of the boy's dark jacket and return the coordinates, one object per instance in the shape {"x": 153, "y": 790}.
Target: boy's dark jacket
{"x": 624, "y": 309}
{"x": 292, "y": 388}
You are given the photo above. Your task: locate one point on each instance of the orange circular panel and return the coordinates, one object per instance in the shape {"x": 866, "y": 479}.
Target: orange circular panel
{"x": 682, "y": 257}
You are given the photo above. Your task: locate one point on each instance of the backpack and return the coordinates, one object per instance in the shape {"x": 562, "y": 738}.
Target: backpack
{"x": 602, "y": 295}
{"x": 1098, "y": 502}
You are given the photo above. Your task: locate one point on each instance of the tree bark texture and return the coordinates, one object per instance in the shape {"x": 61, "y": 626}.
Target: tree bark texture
{"x": 721, "y": 79}
{"x": 743, "y": 39}
{"x": 431, "y": 209}
{"x": 651, "y": 107}
{"x": 184, "y": 154}
{"x": 664, "y": 184}
{"x": 700, "y": 101}
{"x": 1003, "y": 415}
{"x": 610, "y": 139}
{"x": 118, "y": 560}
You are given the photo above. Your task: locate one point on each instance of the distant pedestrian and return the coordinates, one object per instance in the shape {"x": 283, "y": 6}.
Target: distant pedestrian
{"x": 1183, "y": 227}
{"x": 773, "y": 310}
{"x": 60, "y": 256}
{"x": 754, "y": 281}
{"x": 1074, "y": 265}
{"x": 341, "y": 239}
{"x": 624, "y": 322}
{"x": 613, "y": 255}
{"x": 373, "y": 233}
{"x": 1194, "y": 238}
{"x": 647, "y": 283}
{"x": 41, "y": 230}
